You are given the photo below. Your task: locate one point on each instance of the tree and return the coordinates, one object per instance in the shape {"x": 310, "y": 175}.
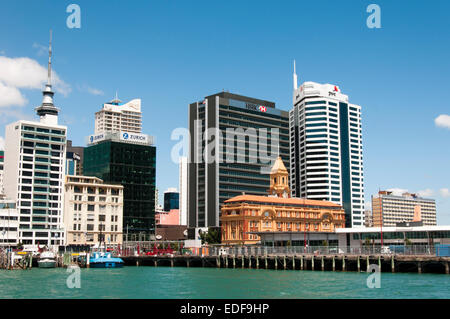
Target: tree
{"x": 20, "y": 246}
{"x": 408, "y": 242}
{"x": 212, "y": 236}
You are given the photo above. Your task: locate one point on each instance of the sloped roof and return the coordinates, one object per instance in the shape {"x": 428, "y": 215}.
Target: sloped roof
{"x": 278, "y": 166}
{"x": 281, "y": 200}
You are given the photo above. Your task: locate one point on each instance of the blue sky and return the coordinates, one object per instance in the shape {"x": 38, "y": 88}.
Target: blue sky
{"x": 171, "y": 53}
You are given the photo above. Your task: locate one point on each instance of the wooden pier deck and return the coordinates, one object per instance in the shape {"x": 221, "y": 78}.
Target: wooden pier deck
{"x": 386, "y": 263}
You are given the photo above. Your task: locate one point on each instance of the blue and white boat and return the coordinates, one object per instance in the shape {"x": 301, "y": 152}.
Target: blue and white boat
{"x": 104, "y": 260}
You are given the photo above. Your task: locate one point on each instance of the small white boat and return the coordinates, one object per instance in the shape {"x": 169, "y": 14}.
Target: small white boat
{"x": 47, "y": 259}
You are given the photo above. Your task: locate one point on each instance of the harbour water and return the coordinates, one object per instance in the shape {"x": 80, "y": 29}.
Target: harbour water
{"x": 208, "y": 283}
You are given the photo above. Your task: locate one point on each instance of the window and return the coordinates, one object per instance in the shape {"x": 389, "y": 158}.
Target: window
{"x": 91, "y": 208}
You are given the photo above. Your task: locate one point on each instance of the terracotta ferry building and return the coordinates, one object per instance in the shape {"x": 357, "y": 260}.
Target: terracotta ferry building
{"x": 252, "y": 219}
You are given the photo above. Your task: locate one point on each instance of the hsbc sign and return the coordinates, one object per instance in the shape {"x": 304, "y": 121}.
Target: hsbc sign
{"x": 256, "y": 107}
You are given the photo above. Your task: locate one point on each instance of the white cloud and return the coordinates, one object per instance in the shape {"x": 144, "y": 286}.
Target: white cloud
{"x": 443, "y": 120}
{"x": 95, "y": 91}
{"x": 11, "y": 96}
{"x": 90, "y": 90}
{"x": 426, "y": 193}
{"x": 27, "y": 73}
{"x": 445, "y": 192}
{"x": 2, "y": 143}
{"x": 41, "y": 49}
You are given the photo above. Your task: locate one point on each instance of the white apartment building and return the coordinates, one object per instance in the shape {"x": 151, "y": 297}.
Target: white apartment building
{"x": 93, "y": 211}
{"x": 326, "y": 148}
{"x": 389, "y": 209}
{"x": 35, "y": 155}
{"x": 9, "y": 222}
{"x": 115, "y": 116}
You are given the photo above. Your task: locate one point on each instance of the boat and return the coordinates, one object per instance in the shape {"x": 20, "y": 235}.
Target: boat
{"x": 105, "y": 260}
{"x": 47, "y": 259}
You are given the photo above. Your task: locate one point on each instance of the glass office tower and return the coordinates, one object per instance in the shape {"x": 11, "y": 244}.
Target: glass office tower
{"x": 114, "y": 158}
{"x": 326, "y": 149}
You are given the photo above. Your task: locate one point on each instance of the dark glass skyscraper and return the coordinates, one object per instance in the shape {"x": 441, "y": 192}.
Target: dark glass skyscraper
{"x": 171, "y": 200}
{"x": 250, "y": 134}
{"x": 132, "y": 164}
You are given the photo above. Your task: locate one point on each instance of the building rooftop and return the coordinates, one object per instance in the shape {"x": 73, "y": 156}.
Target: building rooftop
{"x": 392, "y": 229}
{"x": 404, "y": 195}
{"x": 228, "y": 95}
{"x": 281, "y": 200}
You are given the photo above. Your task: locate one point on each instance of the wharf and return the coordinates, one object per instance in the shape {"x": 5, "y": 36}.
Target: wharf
{"x": 385, "y": 263}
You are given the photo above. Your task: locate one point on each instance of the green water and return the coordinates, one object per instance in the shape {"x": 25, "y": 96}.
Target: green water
{"x": 205, "y": 283}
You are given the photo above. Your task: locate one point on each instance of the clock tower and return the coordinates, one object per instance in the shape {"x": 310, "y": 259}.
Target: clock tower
{"x": 279, "y": 180}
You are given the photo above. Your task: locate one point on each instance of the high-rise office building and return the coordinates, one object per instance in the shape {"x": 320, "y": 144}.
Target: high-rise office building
{"x": 251, "y": 133}
{"x": 171, "y": 199}
{"x": 390, "y": 209}
{"x": 183, "y": 190}
{"x": 128, "y": 159}
{"x": 35, "y": 156}
{"x": 74, "y": 159}
{"x": 326, "y": 148}
{"x": 115, "y": 116}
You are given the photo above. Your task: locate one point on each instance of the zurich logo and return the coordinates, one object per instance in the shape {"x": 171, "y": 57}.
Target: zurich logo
{"x": 92, "y": 139}
{"x": 125, "y": 136}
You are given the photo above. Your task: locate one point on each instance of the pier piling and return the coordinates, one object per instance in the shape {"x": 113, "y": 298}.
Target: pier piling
{"x": 312, "y": 262}
{"x": 343, "y": 263}
{"x": 358, "y": 264}
{"x": 323, "y": 264}
{"x": 392, "y": 264}
{"x": 334, "y": 264}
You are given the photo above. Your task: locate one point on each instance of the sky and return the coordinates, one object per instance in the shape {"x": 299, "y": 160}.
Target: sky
{"x": 172, "y": 53}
